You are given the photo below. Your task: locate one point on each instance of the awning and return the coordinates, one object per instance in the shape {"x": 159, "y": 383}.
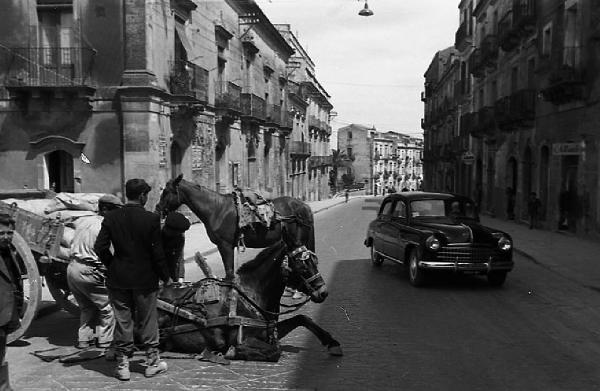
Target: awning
{"x": 180, "y": 31}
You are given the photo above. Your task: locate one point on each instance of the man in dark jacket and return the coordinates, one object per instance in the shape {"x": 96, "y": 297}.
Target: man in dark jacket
{"x": 133, "y": 272}
{"x": 173, "y": 240}
{"x": 11, "y": 293}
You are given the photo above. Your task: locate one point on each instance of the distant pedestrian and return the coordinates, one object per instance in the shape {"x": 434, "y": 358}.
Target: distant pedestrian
{"x": 86, "y": 277}
{"x": 173, "y": 241}
{"x": 133, "y": 271}
{"x": 533, "y": 209}
{"x": 564, "y": 206}
{"x": 11, "y": 293}
{"x": 347, "y": 194}
{"x": 510, "y": 203}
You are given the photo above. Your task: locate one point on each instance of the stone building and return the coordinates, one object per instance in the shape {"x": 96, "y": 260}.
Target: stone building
{"x": 96, "y": 92}
{"x": 356, "y": 143}
{"x": 309, "y": 149}
{"x": 534, "y": 111}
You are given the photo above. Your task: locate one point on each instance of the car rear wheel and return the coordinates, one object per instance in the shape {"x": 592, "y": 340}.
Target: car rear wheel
{"x": 416, "y": 275}
{"x": 376, "y": 259}
{"x": 496, "y": 278}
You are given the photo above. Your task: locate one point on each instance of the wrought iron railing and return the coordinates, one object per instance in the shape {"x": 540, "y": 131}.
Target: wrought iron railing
{"x": 274, "y": 114}
{"x": 253, "y": 106}
{"x": 49, "y": 66}
{"x": 188, "y": 79}
{"x": 228, "y": 96}
{"x": 299, "y": 148}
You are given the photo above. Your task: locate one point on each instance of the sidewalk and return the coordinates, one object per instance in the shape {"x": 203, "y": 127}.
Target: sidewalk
{"x": 575, "y": 258}
{"x": 197, "y": 239}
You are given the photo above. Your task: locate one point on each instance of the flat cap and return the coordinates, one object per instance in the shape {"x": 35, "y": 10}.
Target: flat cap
{"x": 135, "y": 187}
{"x": 6, "y": 219}
{"x": 110, "y": 199}
{"x": 177, "y": 222}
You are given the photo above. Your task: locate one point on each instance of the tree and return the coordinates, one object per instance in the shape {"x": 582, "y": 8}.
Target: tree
{"x": 338, "y": 159}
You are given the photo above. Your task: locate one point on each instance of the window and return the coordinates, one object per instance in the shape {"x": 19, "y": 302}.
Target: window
{"x": 400, "y": 210}
{"x": 547, "y": 40}
{"x": 349, "y": 151}
{"x": 386, "y": 208}
{"x": 349, "y": 135}
{"x": 531, "y": 73}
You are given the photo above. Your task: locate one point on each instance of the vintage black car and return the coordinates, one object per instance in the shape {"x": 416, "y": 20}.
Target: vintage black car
{"x": 438, "y": 231}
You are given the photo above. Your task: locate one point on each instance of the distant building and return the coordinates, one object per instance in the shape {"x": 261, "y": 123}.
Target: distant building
{"x": 355, "y": 142}
{"x": 397, "y": 162}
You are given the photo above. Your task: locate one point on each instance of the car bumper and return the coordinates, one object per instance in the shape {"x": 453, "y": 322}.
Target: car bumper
{"x": 468, "y": 266}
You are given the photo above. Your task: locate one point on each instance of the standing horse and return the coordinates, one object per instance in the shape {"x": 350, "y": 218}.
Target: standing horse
{"x": 258, "y": 290}
{"x": 293, "y": 225}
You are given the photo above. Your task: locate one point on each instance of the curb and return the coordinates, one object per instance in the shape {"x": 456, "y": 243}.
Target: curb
{"x": 214, "y": 249}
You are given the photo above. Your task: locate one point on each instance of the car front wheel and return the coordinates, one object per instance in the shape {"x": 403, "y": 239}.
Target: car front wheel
{"x": 416, "y": 275}
{"x": 375, "y": 257}
{"x": 496, "y": 278}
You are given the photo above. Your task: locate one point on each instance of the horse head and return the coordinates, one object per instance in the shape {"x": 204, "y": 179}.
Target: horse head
{"x": 304, "y": 274}
{"x": 170, "y": 199}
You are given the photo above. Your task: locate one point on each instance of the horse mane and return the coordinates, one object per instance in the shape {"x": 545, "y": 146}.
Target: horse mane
{"x": 214, "y": 196}
{"x": 271, "y": 253}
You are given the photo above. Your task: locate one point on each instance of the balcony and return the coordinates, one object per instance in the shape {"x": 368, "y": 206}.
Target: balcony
{"x": 228, "y": 98}
{"x": 313, "y": 122}
{"x": 462, "y": 38}
{"x": 508, "y": 37}
{"x": 253, "y": 108}
{"x": 273, "y": 115}
{"x": 249, "y": 44}
{"x": 522, "y": 107}
{"x": 567, "y": 79}
{"x": 299, "y": 148}
{"x": 483, "y": 124}
{"x": 524, "y": 16}
{"x": 423, "y": 96}
{"x": 57, "y": 67}
{"x": 320, "y": 161}
{"x": 489, "y": 50}
{"x": 188, "y": 82}
{"x": 476, "y": 65}
{"x": 287, "y": 121}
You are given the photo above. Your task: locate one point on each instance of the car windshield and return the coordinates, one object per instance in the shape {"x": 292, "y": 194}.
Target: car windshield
{"x": 452, "y": 208}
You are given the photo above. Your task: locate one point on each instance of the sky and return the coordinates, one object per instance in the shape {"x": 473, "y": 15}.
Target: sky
{"x": 371, "y": 66}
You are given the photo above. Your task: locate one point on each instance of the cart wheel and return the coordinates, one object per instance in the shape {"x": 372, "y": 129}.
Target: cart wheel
{"x": 63, "y": 296}
{"x": 32, "y": 286}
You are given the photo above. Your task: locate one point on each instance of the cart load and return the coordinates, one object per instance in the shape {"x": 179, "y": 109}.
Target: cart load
{"x": 44, "y": 230}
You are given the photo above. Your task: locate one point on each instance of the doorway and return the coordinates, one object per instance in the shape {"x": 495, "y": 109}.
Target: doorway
{"x": 60, "y": 171}
{"x": 544, "y": 175}
{"x": 176, "y": 158}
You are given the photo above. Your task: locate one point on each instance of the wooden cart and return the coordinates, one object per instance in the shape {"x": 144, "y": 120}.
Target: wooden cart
{"x": 37, "y": 242}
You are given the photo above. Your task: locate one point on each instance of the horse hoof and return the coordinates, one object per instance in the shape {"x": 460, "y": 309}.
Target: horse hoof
{"x": 335, "y": 350}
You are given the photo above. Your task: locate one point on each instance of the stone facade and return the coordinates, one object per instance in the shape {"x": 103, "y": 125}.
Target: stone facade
{"x": 533, "y": 109}
{"x": 397, "y": 162}
{"x": 97, "y": 92}
{"x": 355, "y": 142}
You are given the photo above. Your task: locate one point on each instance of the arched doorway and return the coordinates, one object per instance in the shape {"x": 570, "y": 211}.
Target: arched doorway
{"x": 527, "y": 179}
{"x": 59, "y": 166}
{"x": 544, "y": 175}
{"x": 176, "y": 158}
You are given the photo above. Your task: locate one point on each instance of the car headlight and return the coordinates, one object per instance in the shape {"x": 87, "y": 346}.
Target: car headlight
{"x": 432, "y": 243}
{"x": 504, "y": 243}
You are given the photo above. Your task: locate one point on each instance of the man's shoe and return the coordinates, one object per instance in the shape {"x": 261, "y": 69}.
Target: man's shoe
{"x": 122, "y": 370}
{"x": 157, "y": 367}
{"x": 84, "y": 344}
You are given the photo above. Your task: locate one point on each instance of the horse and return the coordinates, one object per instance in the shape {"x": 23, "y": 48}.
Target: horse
{"x": 293, "y": 222}
{"x": 257, "y": 293}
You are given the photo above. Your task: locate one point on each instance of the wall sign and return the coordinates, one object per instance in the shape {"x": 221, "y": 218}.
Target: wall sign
{"x": 568, "y": 148}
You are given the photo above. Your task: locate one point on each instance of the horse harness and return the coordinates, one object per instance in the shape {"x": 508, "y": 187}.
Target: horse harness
{"x": 266, "y": 319}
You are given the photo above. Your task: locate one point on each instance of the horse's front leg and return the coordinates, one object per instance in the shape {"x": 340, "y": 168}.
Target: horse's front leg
{"x": 284, "y": 327}
{"x": 227, "y": 256}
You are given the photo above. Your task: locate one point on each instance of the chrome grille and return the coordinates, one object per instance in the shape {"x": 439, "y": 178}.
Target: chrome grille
{"x": 466, "y": 254}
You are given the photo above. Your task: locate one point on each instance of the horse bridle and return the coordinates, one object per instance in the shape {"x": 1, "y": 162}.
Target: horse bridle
{"x": 313, "y": 283}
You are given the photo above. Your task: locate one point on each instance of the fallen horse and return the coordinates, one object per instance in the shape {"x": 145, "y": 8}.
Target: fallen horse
{"x": 240, "y": 318}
